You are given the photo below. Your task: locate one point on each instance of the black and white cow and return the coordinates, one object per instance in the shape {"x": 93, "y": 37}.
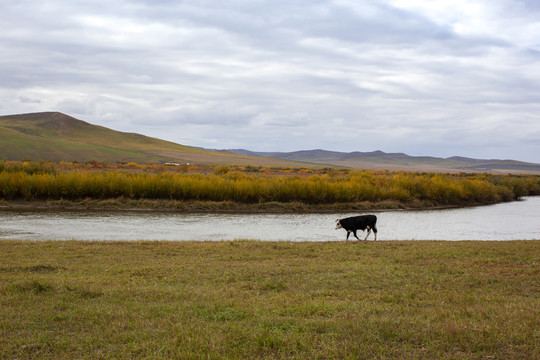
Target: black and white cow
{"x": 363, "y": 222}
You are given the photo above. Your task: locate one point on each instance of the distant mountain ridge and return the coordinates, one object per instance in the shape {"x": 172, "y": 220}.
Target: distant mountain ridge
{"x": 395, "y": 161}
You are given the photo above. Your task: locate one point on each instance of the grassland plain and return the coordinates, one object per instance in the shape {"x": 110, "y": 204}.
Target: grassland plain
{"x": 270, "y": 300}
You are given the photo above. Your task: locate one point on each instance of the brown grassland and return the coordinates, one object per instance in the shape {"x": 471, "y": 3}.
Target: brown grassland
{"x": 275, "y": 300}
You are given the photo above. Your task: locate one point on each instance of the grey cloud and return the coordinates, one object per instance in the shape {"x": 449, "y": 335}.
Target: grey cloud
{"x": 280, "y": 75}
{"x": 27, "y": 100}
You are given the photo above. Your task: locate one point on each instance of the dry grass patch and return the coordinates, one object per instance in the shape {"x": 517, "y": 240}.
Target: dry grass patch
{"x": 275, "y": 300}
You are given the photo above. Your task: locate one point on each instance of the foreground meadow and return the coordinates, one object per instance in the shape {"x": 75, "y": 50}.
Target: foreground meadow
{"x": 275, "y": 300}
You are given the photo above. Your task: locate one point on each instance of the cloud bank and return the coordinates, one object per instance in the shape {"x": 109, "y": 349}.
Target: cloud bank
{"x": 423, "y": 77}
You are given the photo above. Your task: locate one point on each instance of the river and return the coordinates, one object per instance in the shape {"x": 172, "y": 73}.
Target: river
{"x": 519, "y": 220}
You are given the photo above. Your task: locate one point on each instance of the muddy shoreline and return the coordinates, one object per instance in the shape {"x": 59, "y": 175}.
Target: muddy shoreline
{"x": 218, "y": 207}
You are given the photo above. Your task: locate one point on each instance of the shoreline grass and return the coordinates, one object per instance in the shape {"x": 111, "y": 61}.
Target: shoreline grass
{"x": 270, "y": 300}
{"x": 244, "y": 190}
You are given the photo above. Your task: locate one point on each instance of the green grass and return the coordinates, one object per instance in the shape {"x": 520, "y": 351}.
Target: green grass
{"x": 275, "y": 300}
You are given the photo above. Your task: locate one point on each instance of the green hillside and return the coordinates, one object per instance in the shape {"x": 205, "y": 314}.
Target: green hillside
{"x": 59, "y": 137}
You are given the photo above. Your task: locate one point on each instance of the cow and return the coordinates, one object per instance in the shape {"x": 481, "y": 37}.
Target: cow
{"x": 363, "y": 222}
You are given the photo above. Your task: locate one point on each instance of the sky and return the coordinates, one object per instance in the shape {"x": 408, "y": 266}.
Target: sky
{"x": 423, "y": 77}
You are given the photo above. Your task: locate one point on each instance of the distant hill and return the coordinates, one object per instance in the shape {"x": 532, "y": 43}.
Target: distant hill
{"x": 59, "y": 137}
{"x": 397, "y": 161}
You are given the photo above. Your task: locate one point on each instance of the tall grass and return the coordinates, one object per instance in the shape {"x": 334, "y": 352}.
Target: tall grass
{"x": 42, "y": 182}
{"x": 28, "y": 167}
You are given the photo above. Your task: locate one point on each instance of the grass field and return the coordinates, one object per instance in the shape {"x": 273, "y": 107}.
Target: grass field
{"x": 275, "y": 300}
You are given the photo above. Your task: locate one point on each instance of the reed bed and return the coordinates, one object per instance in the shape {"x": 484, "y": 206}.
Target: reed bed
{"x": 234, "y": 186}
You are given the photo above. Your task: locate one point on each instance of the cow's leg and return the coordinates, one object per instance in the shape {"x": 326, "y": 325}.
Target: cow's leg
{"x": 375, "y": 232}
{"x": 368, "y": 232}
{"x": 354, "y": 232}
{"x": 348, "y": 233}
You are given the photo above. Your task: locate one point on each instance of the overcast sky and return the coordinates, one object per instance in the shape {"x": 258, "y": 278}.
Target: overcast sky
{"x": 440, "y": 78}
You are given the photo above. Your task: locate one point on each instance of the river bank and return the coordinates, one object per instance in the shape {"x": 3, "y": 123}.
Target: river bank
{"x": 123, "y": 204}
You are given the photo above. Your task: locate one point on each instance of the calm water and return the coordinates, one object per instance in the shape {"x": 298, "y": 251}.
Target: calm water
{"x": 510, "y": 221}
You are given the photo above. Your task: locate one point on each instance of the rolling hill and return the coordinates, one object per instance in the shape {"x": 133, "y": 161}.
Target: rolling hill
{"x": 59, "y": 137}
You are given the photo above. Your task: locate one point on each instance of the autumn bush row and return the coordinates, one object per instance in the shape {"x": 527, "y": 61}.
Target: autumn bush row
{"x": 256, "y": 188}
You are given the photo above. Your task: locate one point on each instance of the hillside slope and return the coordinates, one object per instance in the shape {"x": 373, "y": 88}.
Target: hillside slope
{"x": 59, "y": 137}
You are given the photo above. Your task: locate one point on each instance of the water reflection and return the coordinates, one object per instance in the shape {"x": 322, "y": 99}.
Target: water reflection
{"x": 509, "y": 221}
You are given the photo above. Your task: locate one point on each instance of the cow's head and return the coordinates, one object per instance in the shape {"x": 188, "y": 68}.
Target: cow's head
{"x": 338, "y": 225}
